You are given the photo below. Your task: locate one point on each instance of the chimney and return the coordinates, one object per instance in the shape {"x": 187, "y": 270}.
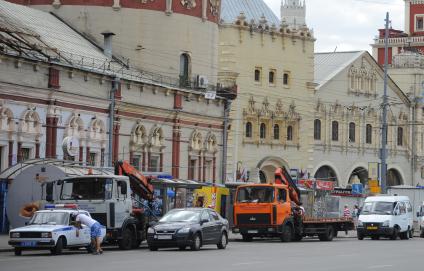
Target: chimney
{"x": 107, "y": 46}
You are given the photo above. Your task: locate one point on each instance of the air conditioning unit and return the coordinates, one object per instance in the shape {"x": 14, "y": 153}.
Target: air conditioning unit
{"x": 202, "y": 81}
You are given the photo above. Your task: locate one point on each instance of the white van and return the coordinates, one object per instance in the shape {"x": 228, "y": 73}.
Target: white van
{"x": 420, "y": 215}
{"x": 387, "y": 216}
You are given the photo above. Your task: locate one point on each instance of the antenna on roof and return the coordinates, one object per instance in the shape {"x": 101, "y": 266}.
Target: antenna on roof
{"x": 335, "y": 49}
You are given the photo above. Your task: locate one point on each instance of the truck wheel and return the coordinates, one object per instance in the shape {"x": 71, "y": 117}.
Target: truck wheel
{"x": 411, "y": 233}
{"x": 57, "y": 250}
{"x": 247, "y": 237}
{"x": 90, "y": 248}
{"x": 126, "y": 242}
{"x": 153, "y": 248}
{"x": 328, "y": 235}
{"x": 360, "y": 236}
{"x": 395, "y": 234}
{"x": 197, "y": 242}
{"x": 422, "y": 233}
{"x": 223, "y": 241}
{"x": 18, "y": 251}
{"x": 297, "y": 237}
{"x": 135, "y": 244}
{"x": 287, "y": 234}
{"x": 404, "y": 235}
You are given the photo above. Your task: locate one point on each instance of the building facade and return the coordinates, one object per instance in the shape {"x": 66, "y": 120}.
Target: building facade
{"x": 272, "y": 64}
{"x": 55, "y": 84}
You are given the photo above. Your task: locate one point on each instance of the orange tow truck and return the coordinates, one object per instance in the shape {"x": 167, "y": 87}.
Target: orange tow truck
{"x": 275, "y": 210}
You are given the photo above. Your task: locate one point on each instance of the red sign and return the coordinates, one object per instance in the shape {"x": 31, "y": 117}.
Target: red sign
{"x": 320, "y": 185}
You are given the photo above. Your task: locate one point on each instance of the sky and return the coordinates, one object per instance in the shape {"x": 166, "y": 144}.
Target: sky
{"x": 348, "y": 25}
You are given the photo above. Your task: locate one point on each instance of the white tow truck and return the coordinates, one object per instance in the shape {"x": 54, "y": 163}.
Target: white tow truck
{"x": 52, "y": 229}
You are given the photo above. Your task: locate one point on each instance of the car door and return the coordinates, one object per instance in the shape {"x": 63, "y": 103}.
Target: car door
{"x": 403, "y": 217}
{"x": 218, "y": 224}
{"x": 78, "y": 236}
{"x": 207, "y": 227}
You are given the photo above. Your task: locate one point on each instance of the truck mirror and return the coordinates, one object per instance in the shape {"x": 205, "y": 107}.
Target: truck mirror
{"x": 123, "y": 186}
{"x": 49, "y": 192}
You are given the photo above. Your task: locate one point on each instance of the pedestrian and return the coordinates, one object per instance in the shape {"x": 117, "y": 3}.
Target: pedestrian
{"x": 95, "y": 230}
{"x": 346, "y": 214}
{"x": 355, "y": 215}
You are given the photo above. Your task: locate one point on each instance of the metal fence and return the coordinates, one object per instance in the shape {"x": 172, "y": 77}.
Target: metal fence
{"x": 4, "y": 223}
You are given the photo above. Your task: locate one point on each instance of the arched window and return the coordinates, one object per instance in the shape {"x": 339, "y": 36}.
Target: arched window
{"x": 257, "y": 75}
{"x": 400, "y": 136}
{"x": 352, "y": 132}
{"x": 335, "y": 131}
{"x": 285, "y": 79}
{"x": 317, "y": 129}
{"x": 368, "y": 134}
{"x": 249, "y": 130}
{"x": 276, "y": 132}
{"x": 263, "y": 131}
{"x": 290, "y": 133}
{"x": 184, "y": 69}
{"x": 271, "y": 77}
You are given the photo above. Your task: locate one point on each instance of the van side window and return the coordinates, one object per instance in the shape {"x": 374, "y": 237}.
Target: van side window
{"x": 402, "y": 208}
{"x": 409, "y": 207}
{"x": 282, "y": 195}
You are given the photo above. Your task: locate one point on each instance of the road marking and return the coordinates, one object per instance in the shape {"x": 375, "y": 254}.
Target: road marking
{"x": 379, "y": 266}
{"x": 246, "y": 263}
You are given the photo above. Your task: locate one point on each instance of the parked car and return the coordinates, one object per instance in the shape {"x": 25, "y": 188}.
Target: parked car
{"x": 193, "y": 227}
{"x": 420, "y": 216}
{"x": 387, "y": 216}
{"x": 51, "y": 229}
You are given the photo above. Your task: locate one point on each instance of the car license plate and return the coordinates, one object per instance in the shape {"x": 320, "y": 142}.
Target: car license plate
{"x": 164, "y": 237}
{"x": 372, "y": 227}
{"x": 252, "y": 231}
{"x": 29, "y": 244}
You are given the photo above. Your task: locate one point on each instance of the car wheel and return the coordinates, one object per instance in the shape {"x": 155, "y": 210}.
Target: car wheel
{"x": 126, "y": 243}
{"x": 153, "y": 248}
{"x": 223, "y": 241}
{"x": 18, "y": 251}
{"x": 287, "y": 234}
{"x": 247, "y": 237}
{"x": 395, "y": 234}
{"x": 57, "y": 250}
{"x": 90, "y": 248}
{"x": 197, "y": 242}
{"x": 411, "y": 233}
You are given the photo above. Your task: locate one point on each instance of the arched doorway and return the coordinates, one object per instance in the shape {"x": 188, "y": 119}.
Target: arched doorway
{"x": 394, "y": 177}
{"x": 267, "y": 167}
{"x": 326, "y": 173}
{"x": 359, "y": 174}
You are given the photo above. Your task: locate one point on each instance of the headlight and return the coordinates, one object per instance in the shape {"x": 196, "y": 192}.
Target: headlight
{"x": 386, "y": 223}
{"x": 46, "y": 235}
{"x": 15, "y": 235}
{"x": 360, "y": 223}
{"x": 150, "y": 230}
{"x": 184, "y": 230}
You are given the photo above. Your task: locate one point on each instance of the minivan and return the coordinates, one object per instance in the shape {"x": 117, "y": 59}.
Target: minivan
{"x": 386, "y": 216}
{"x": 420, "y": 215}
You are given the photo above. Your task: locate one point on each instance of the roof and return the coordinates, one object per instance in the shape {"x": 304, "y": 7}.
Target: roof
{"x": 37, "y": 35}
{"x": 252, "y": 9}
{"x": 328, "y": 65}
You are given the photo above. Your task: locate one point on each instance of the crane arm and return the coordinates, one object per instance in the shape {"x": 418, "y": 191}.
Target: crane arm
{"x": 283, "y": 177}
{"x": 138, "y": 182}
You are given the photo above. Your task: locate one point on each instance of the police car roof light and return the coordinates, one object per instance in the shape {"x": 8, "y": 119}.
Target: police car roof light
{"x": 63, "y": 206}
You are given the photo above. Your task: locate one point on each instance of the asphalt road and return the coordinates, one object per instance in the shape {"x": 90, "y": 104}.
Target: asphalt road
{"x": 340, "y": 254}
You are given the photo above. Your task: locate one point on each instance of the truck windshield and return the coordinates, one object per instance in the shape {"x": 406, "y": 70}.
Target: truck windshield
{"x": 53, "y": 218}
{"x": 377, "y": 208}
{"x": 255, "y": 194}
{"x": 86, "y": 189}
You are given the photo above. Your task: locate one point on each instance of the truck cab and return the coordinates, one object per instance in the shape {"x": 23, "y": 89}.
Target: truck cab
{"x": 109, "y": 200}
{"x": 262, "y": 210}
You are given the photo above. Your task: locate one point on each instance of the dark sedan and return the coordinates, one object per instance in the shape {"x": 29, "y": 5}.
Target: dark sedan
{"x": 193, "y": 227}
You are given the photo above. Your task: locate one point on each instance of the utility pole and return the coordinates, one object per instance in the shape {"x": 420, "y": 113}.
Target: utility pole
{"x": 115, "y": 85}
{"x": 384, "y": 120}
{"x": 227, "y": 108}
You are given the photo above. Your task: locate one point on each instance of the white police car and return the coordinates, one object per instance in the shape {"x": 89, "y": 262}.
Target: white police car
{"x": 52, "y": 229}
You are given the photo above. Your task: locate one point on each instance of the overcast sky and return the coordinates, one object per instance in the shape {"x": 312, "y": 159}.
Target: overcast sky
{"x": 347, "y": 24}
